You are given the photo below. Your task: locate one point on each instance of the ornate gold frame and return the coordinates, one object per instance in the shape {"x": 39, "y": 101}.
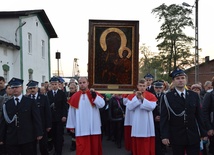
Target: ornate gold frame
{"x": 113, "y": 55}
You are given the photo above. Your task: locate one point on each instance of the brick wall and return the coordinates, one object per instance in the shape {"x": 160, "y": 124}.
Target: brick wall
{"x": 206, "y": 72}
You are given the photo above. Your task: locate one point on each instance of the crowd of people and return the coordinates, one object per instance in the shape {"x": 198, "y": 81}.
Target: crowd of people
{"x": 164, "y": 118}
{"x": 33, "y": 119}
{"x": 157, "y": 115}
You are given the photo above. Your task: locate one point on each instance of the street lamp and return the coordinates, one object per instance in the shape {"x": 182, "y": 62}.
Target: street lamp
{"x": 196, "y": 39}
{"x": 58, "y": 57}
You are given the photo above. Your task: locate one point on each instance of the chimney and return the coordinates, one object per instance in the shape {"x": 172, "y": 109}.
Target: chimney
{"x": 207, "y": 59}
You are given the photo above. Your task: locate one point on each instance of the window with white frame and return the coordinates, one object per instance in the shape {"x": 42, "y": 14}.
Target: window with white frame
{"x": 43, "y": 48}
{"x": 29, "y": 38}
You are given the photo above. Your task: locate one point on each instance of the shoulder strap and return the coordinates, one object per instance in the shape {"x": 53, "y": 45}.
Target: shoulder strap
{"x": 6, "y": 117}
{"x": 167, "y": 105}
{"x": 170, "y": 109}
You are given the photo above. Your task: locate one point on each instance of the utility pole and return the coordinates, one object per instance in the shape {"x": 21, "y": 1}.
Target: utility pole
{"x": 196, "y": 40}
{"x": 196, "y": 44}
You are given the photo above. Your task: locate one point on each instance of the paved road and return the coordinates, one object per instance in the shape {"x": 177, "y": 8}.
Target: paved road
{"x": 109, "y": 148}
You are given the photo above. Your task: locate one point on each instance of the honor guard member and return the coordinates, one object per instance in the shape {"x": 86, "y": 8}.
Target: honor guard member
{"x": 2, "y": 146}
{"x": 21, "y": 122}
{"x": 208, "y": 113}
{"x": 158, "y": 88}
{"x": 45, "y": 113}
{"x": 62, "y": 84}
{"x": 181, "y": 122}
{"x": 149, "y": 78}
{"x": 59, "y": 110}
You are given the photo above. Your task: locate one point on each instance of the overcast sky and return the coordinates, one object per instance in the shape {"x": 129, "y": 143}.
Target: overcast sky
{"x": 70, "y": 20}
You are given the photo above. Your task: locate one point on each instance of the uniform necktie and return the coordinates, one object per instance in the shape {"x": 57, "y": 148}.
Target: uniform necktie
{"x": 182, "y": 96}
{"x": 54, "y": 94}
{"x": 147, "y": 88}
{"x": 17, "y": 101}
{"x": 33, "y": 96}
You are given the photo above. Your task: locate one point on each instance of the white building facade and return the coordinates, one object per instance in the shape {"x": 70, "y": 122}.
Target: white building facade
{"x": 25, "y": 45}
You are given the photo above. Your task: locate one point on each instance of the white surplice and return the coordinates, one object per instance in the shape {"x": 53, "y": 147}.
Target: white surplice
{"x": 86, "y": 118}
{"x": 142, "y": 117}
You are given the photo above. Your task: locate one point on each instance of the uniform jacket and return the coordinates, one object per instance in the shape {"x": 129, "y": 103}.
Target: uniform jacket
{"x": 45, "y": 111}
{"x": 29, "y": 122}
{"x": 157, "y": 110}
{"x": 173, "y": 127}
{"x": 151, "y": 90}
{"x": 60, "y": 108}
{"x": 208, "y": 110}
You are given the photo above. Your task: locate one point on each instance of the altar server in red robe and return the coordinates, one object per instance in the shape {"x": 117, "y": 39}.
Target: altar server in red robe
{"x": 127, "y": 126}
{"x": 142, "y": 103}
{"x": 84, "y": 117}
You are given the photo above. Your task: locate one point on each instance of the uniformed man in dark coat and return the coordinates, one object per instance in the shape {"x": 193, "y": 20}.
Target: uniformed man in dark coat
{"x": 181, "y": 122}
{"x": 21, "y": 122}
{"x": 208, "y": 113}
{"x": 59, "y": 110}
{"x": 149, "y": 78}
{"x": 45, "y": 113}
{"x": 158, "y": 88}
